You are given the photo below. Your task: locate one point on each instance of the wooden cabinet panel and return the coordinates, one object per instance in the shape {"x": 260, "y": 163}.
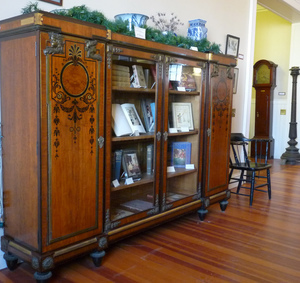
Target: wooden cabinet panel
{"x": 219, "y": 128}
{"x": 20, "y": 124}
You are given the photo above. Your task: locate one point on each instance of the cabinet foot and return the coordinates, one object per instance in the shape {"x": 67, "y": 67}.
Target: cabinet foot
{"x": 202, "y": 213}
{"x": 223, "y": 204}
{"x": 11, "y": 261}
{"x": 42, "y": 277}
{"x": 97, "y": 257}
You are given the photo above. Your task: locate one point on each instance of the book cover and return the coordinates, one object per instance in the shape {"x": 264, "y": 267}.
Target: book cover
{"x": 152, "y": 105}
{"x": 173, "y": 197}
{"x": 180, "y": 154}
{"x": 149, "y": 159}
{"x": 139, "y": 77}
{"x": 147, "y": 114}
{"x": 122, "y": 74}
{"x": 117, "y": 164}
{"x": 137, "y": 205}
{"x": 188, "y": 82}
{"x": 182, "y": 115}
{"x": 120, "y": 68}
{"x": 121, "y": 79}
{"x": 120, "y": 84}
{"x": 131, "y": 165}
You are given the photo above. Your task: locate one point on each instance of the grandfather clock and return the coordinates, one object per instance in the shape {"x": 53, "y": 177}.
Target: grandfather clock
{"x": 264, "y": 82}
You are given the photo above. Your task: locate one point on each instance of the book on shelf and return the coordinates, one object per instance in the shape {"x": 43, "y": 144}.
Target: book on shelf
{"x": 180, "y": 154}
{"x": 120, "y": 84}
{"x": 139, "y": 80}
{"x": 148, "y": 115}
{"x": 126, "y": 120}
{"x": 187, "y": 79}
{"x": 137, "y": 205}
{"x": 117, "y": 164}
{"x": 120, "y": 76}
{"x": 121, "y": 79}
{"x": 118, "y": 213}
{"x": 173, "y": 197}
{"x": 150, "y": 148}
{"x": 182, "y": 113}
{"x": 131, "y": 165}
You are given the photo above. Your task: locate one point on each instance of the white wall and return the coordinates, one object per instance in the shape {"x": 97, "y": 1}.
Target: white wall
{"x": 233, "y": 17}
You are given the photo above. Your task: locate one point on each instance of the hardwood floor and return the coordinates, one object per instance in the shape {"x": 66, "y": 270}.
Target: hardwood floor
{"x": 243, "y": 244}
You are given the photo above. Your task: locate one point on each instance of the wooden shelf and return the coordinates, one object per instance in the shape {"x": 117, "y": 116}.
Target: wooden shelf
{"x": 133, "y": 90}
{"x": 134, "y": 138}
{"x": 180, "y": 172}
{"x": 177, "y": 92}
{"x": 194, "y": 132}
{"x": 146, "y": 179}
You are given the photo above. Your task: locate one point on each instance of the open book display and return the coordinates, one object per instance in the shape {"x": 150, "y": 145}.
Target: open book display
{"x": 126, "y": 120}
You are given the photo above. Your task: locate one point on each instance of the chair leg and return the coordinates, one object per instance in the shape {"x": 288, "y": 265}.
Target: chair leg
{"x": 269, "y": 183}
{"x": 240, "y": 181}
{"x": 230, "y": 175}
{"x": 252, "y": 187}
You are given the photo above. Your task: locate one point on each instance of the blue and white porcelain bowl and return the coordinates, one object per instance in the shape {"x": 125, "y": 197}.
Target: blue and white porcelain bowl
{"x": 137, "y": 20}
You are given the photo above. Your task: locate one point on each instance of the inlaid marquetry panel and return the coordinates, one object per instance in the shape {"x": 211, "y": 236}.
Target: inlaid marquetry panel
{"x": 73, "y": 125}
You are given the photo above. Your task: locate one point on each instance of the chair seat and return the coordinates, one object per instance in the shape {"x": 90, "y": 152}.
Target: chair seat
{"x": 253, "y": 166}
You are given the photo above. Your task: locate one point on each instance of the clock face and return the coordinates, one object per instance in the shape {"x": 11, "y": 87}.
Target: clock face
{"x": 263, "y": 75}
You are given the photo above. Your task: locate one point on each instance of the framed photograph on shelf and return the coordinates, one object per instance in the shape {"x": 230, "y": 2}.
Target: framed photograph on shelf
{"x": 181, "y": 154}
{"x": 55, "y": 2}
{"x": 182, "y": 115}
{"x": 235, "y": 79}
{"x": 232, "y": 45}
{"x": 131, "y": 165}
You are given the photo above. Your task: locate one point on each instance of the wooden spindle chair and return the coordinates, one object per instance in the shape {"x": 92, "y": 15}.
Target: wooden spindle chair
{"x": 251, "y": 169}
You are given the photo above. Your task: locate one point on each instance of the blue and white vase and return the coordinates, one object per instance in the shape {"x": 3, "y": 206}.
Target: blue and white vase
{"x": 197, "y": 29}
{"x": 137, "y": 20}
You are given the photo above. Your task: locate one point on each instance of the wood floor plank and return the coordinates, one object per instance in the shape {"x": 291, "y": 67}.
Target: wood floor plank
{"x": 243, "y": 244}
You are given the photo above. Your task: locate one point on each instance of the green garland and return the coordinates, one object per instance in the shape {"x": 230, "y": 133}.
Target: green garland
{"x": 118, "y": 26}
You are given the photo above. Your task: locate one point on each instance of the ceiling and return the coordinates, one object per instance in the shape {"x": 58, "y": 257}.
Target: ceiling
{"x": 287, "y": 9}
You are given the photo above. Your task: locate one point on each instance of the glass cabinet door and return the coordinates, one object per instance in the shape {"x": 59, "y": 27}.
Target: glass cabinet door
{"x": 134, "y": 81}
{"x": 182, "y": 130}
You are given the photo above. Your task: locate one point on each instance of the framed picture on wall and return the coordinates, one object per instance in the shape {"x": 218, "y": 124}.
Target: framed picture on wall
{"x": 232, "y": 45}
{"x": 235, "y": 79}
{"x": 55, "y": 2}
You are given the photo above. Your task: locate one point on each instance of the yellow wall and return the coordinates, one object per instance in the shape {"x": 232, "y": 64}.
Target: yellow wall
{"x": 273, "y": 42}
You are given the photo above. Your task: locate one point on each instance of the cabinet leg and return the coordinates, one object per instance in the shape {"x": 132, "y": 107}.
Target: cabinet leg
{"x": 42, "y": 277}
{"x": 97, "y": 257}
{"x": 223, "y": 204}
{"x": 11, "y": 261}
{"x": 202, "y": 213}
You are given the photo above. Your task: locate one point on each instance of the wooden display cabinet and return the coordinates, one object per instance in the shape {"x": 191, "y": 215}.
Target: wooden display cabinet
{"x": 78, "y": 182}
